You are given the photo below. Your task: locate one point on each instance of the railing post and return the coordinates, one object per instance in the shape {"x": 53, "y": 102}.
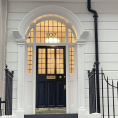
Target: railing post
{"x": 108, "y": 96}
{"x": 92, "y": 91}
{"x": 98, "y": 87}
{"x": 6, "y": 73}
{"x": 8, "y": 91}
{"x": 117, "y": 90}
{"x": 0, "y": 108}
{"x": 102, "y": 93}
{"x": 113, "y": 99}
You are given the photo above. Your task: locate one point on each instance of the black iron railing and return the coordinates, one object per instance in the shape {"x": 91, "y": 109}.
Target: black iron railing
{"x": 109, "y": 85}
{"x": 0, "y": 106}
{"x": 108, "y": 95}
{"x": 92, "y": 91}
{"x": 8, "y": 92}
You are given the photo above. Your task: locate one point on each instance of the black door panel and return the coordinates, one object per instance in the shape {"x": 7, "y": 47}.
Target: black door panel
{"x": 50, "y": 77}
{"x": 51, "y": 93}
{"x": 41, "y": 94}
{"x": 60, "y": 94}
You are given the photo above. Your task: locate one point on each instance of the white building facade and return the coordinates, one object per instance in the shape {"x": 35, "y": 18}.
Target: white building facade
{"x": 55, "y": 40}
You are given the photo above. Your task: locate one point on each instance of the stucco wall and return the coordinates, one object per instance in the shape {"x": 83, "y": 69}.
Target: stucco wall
{"x": 3, "y": 35}
{"x": 107, "y": 29}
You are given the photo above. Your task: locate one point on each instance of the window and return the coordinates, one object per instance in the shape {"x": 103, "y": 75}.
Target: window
{"x": 41, "y": 61}
{"x": 29, "y": 60}
{"x": 31, "y": 35}
{"x": 71, "y": 58}
{"x": 59, "y": 61}
{"x": 70, "y": 37}
{"x": 50, "y": 31}
{"x": 51, "y": 61}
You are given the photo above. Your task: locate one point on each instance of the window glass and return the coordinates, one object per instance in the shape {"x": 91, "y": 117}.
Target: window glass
{"x": 29, "y": 60}
{"x": 31, "y": 35}
{"x": 71, "y": 58}
{"x": 50, "y": 31}
{"x": 70, "y": 37}
{"x": 59, "y": 61}
{"x": 41, "y": 61}
{"x": 50, "y": 61}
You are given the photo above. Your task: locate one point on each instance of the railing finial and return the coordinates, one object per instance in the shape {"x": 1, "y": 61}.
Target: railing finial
{"x": 6, "y": 67}
{"x": 88, "y": 71}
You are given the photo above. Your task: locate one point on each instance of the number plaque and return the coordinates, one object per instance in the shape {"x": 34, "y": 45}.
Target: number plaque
{"x": 51, "y": 35}
{"x": 51, "y": 77}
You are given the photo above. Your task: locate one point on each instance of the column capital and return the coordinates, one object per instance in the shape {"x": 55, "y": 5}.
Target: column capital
{"x": 82, "y": 38}
{"x": 80, "y": 41}
{"x": 21, "y": 41}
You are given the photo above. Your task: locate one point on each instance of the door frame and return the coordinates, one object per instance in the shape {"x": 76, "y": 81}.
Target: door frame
{"x": 67, "y": 73}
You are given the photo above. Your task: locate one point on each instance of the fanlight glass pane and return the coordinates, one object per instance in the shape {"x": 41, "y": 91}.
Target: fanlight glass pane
{"x": 50, "y": 31}
{"x": 31, "y": 35}
{"x": 70, "y": 37}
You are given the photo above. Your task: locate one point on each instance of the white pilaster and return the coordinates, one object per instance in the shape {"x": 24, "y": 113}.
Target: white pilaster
{"x": 3, "y": 30}
{"x": 20, "y": 82}
{"x": 81, "y": 79}
{"x": 81, "y": 82}
{"x": 1, "y": 61}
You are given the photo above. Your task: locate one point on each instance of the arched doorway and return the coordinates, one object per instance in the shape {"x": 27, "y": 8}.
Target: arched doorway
{"x": 51, "y": 44}
{"x": 27, "y": 106}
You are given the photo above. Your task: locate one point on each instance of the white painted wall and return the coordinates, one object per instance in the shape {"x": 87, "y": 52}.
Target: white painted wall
{"x": 3, "y": 34}
{"x": 107, "y": 29}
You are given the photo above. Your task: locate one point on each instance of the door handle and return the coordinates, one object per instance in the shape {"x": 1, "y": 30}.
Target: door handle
{"x": 60, "y": 77}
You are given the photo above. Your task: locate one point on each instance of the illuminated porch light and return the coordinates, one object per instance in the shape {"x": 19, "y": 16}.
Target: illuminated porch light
{"x": 52, "y": 40}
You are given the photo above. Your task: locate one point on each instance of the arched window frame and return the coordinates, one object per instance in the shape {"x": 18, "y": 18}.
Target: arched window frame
{"x": 67, "y": 24}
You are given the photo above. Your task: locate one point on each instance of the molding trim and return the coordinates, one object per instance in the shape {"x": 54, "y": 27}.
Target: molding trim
{"x": 50, "y": 9}
{"x": 21, "y": 41}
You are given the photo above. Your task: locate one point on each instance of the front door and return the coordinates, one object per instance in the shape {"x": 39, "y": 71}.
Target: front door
{"x": 50, "y": 77}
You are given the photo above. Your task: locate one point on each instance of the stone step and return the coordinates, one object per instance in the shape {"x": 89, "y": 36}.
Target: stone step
{"x": 52, "y": 116}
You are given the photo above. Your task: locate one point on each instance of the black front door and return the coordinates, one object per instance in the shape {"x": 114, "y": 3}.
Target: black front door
{"x": 50, "y": 77}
